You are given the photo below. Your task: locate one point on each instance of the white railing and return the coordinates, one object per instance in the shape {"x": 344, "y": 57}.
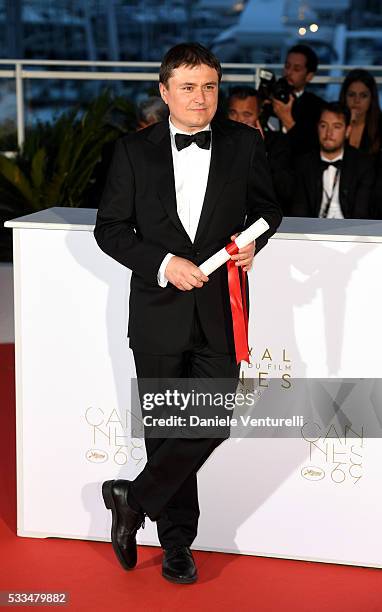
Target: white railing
{"x": 139, "y": 71}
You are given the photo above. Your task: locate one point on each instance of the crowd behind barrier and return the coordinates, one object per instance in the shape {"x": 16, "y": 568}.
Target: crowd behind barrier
{"x": 325, "y": 157}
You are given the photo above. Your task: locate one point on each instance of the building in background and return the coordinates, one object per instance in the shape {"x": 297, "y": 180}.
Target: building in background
{"x": 142, "y": 30}
{"x": 260, "y": 31}
{"x": 238, "y": 31}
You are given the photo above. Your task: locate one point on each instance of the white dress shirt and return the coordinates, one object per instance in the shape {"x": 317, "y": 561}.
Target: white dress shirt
{"x": 191, "y": 168}
{"x": 335, "y": 211}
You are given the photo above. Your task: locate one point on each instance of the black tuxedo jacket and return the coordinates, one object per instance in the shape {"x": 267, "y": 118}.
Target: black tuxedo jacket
{"x": 306, "y": 112}
{"x": 137, "y": 224}
{"x": 355, "y": 187}
{"x": 280, "y": 163}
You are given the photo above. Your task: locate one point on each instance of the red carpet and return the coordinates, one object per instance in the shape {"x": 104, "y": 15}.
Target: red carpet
{"x": 90, "y": 574}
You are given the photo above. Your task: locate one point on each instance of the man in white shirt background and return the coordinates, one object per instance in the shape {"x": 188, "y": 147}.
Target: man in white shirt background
{"x": 336, "y": 181}
{"x": 177, "y": 192}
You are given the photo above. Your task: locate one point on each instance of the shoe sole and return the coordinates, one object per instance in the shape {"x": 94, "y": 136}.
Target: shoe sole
{"x": 110, "y": 505}
{"x": 180, "y": 580}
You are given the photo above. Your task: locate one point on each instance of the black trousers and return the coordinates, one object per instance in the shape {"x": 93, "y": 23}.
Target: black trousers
{"x": 167, "y": 486}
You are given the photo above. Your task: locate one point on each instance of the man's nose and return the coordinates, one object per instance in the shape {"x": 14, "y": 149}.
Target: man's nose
{"x": 324, "y": 133}
{"x": 199, "y": 96}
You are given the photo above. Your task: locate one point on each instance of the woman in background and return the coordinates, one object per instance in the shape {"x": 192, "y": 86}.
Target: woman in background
{"x": 360, "y": 94}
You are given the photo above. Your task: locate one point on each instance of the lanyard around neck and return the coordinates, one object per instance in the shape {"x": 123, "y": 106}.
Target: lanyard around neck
{"x": 329, "y": 198}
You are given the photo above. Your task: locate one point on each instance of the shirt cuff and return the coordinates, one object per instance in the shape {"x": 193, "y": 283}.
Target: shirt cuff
{"x": 162, "y": 280}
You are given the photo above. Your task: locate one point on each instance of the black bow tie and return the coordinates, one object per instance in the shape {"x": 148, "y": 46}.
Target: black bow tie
{"x": 202, "y": 139}
{"x": 325, "y": 164}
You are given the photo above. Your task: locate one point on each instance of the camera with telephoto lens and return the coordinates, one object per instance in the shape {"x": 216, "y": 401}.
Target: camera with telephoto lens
{"x": 270, "y": 87}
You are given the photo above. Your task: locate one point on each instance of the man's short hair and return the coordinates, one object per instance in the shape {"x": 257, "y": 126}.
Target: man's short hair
{"x": 187, "y": 54}
{"x": 310, "y": 56}
{"x": 243, "y": 92}
{"x": 338, "y": 109}
{"x": 152, "y": 110}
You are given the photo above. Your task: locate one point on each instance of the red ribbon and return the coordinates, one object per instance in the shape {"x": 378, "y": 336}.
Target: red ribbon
{"x": 238, "y": 300}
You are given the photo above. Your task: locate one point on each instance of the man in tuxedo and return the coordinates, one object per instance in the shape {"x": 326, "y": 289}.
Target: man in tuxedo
{"x": 337, "y": 181}
{"x": 298, "y": 117}
{"x": 177, "y": 192}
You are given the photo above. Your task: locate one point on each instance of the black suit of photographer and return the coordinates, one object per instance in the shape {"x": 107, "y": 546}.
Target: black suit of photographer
{"x": 281, "y": 165}
{"x": 306, "y": 112}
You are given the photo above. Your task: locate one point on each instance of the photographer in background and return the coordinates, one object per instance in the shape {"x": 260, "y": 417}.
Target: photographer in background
{"x": 298, "y": 116}
{"x": 244, "y": 106}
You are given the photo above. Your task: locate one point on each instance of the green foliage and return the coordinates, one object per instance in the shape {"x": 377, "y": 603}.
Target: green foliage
{"x": 57, "y": 163}
{"x": 8, "y": 135}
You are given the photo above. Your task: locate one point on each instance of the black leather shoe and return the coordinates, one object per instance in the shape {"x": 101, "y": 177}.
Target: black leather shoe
{"x": 178, "y": 565}
{"x": 125, "y": 523}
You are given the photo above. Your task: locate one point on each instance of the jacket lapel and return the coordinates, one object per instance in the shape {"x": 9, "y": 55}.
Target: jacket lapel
{"x": 161, "y": 160}
{"x": 346, "y": 177}
{"x": 222, "y": 153}
{"x": 316, "y": 184}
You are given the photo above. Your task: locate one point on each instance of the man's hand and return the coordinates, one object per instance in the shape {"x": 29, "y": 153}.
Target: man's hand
{"x": 184, "y": 274}
{"x": 284, "y": 112}
{"x": 244, "y": 257}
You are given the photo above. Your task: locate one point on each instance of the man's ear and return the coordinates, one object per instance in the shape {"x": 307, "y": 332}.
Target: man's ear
{"x": 309, "y": 76}
{"x": 348, "y": 132}
{"x": 163, "y": 92}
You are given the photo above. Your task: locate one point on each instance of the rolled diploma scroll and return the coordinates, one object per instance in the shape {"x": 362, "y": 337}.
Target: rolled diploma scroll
{"x": 218, "y": 259}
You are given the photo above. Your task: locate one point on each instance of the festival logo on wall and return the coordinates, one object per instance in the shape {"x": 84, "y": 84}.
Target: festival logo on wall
{"x": 333, "y": 457}
{"x": 109, "y": 439}
{"x": 270, "y": 363}
{"x": 334, "y": 454}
